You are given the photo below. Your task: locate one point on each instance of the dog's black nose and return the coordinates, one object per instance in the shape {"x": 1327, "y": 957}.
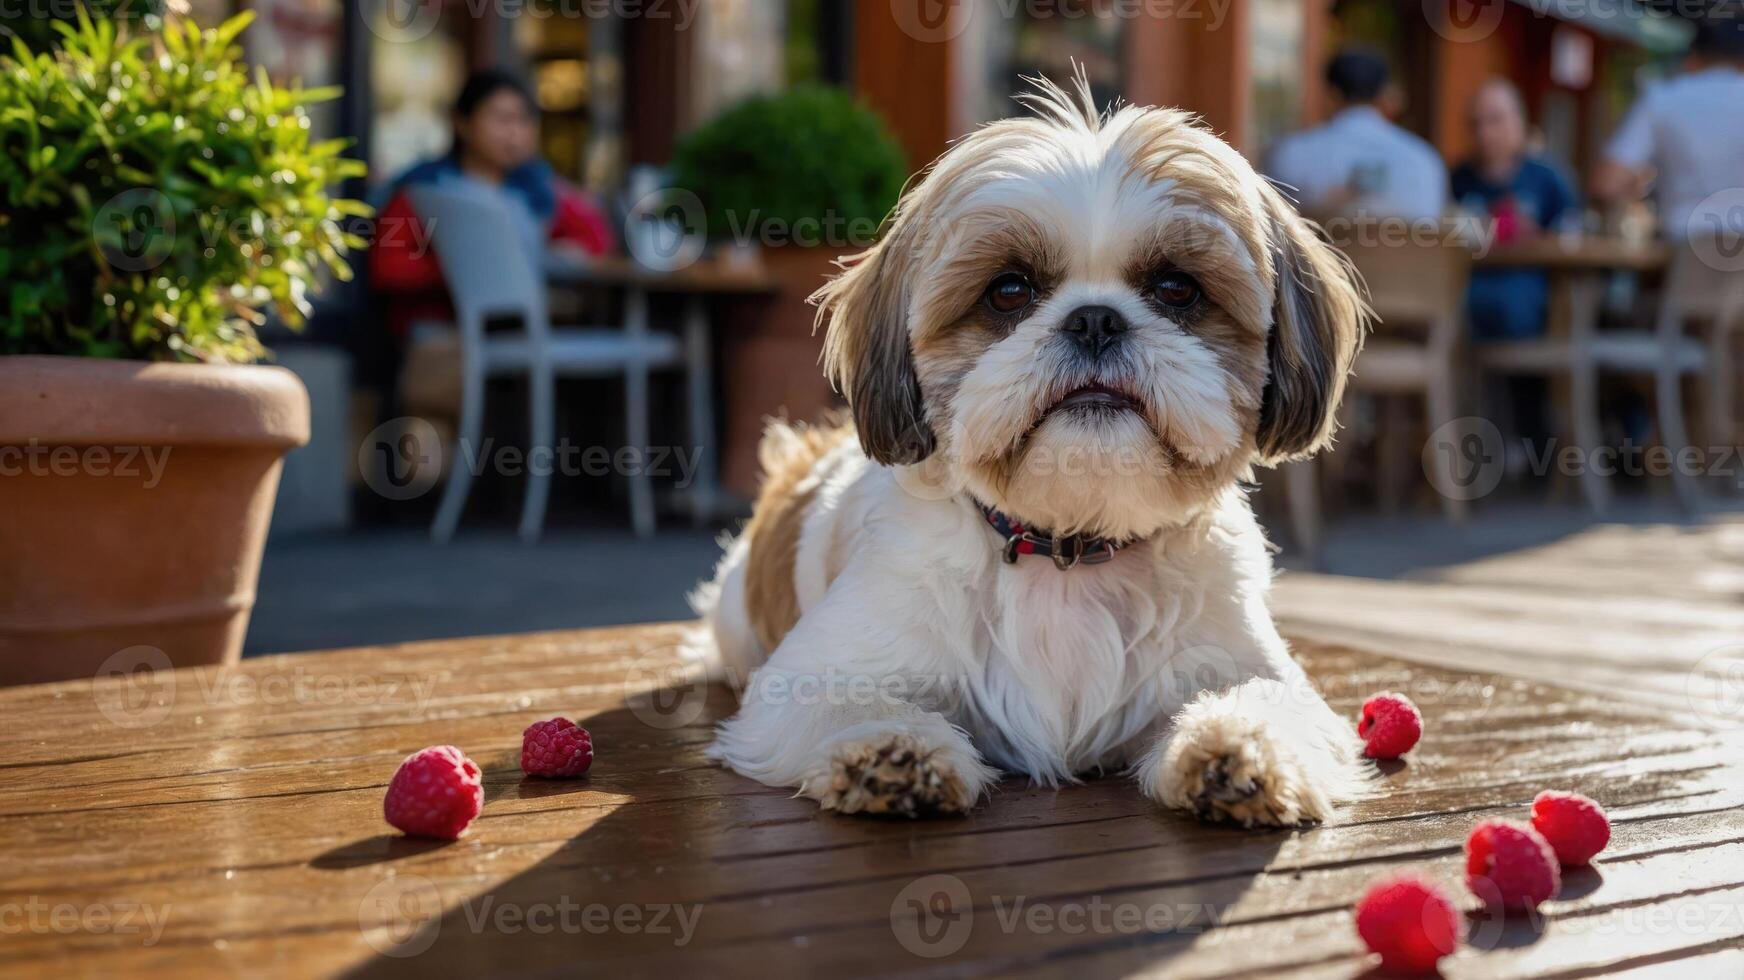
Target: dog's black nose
{"x": 1094, "y": 328}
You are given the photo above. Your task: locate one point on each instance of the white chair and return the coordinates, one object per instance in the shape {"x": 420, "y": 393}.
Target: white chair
{"x": 490, "y": 275}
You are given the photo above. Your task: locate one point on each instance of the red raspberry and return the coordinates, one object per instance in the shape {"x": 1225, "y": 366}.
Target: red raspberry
{"x": 436, "y": 792}
{"x": 1390, "y": 725}
{"x": 1510, "y": 866}
{"x": 558, "y": 748}
{"x": 1410, "y": 921}
{"x": 1575, "y": 826}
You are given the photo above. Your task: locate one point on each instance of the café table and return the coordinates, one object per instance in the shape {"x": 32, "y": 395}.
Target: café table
{"x": 228, "y": 821}
{"x": 696, "y": 284}
{"x": 1578, "y": 268}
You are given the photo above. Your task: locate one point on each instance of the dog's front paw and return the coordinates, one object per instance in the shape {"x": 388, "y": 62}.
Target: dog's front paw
{"x": 896, "y": 775}
{"x": 1228, "y": 767}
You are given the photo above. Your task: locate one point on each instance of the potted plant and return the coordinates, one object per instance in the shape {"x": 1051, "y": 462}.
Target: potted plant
{"x": 159, "y": 204}
{"x": 802, "y": 177}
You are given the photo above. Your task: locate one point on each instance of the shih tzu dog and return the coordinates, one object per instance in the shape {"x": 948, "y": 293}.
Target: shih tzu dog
{"x": 1032, "y": 551}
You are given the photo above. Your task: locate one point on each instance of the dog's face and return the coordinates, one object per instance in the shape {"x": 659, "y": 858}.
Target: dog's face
{"x": 1093, "y": 324}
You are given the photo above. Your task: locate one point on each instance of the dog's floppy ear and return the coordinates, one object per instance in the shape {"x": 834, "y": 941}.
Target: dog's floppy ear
{"x": 1319, "y": 316}
{"x": 866, "y": 351}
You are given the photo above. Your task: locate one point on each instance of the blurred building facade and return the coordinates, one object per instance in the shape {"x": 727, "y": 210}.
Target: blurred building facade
{"x": 618, "y": 80}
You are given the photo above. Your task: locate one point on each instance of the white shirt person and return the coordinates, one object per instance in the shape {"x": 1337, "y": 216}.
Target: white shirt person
{"x": 1359, "y": 162}
{"x": 1687, "y": 135}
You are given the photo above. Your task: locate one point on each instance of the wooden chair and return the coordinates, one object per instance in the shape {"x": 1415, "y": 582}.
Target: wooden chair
{"x": 1576, "y": 351}
{"x": 1418, "y": 293}
{"x": 1697, "y": 297}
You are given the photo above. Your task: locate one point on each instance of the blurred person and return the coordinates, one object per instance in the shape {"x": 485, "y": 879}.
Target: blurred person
{"x": 1359, "y": 161}
{"x": 493, "y": 155}
{"x": 1684, "y": 138}
{"x": 1523, "y": 196}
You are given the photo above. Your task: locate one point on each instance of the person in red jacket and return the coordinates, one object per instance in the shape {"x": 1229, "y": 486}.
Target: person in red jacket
{"x": 493, "y": 155}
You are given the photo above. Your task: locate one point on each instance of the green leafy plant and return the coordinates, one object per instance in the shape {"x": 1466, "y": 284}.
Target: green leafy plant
{"x": 158, "y": 202}
{"x": 784, "y": 162}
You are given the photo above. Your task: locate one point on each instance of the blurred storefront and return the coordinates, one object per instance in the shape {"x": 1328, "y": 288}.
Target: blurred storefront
{"x": 619, "y": 82}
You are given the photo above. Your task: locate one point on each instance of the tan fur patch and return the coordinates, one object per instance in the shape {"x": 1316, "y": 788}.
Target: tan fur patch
{"x": 789, "y": 454}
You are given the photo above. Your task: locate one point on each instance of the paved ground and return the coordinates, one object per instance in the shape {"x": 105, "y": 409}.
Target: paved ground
{"x": 394, "y": 585}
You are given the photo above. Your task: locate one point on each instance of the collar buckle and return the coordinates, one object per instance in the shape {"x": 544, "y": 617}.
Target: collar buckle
{"x": 1067, "y": 552}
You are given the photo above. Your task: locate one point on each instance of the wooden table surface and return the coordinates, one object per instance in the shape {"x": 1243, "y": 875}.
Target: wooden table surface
{"x": 229, "y": 821}
{"x": 1580, "y": 253}
{"x": 708, "y": 275}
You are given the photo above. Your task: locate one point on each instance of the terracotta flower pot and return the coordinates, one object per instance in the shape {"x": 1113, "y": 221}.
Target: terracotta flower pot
{"x": 134, "y": 503}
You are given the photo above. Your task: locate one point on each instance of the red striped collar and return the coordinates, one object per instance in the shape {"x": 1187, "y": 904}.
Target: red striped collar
{"x": 1067, "y": 551}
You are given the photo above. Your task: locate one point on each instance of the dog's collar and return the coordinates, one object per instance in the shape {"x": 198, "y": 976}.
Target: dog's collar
{"x": 1068, "y": 551}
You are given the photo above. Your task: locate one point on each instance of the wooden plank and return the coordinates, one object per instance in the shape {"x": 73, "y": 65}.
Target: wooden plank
{"x": 248, "y": 834}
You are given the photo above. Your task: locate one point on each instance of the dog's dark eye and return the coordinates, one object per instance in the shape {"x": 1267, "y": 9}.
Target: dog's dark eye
{"x": 1009, "y": 293}
{"x": 1176, "y": 290}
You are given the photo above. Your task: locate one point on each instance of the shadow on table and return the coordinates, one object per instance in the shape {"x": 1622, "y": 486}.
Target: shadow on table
{"x": 698, "y": 871}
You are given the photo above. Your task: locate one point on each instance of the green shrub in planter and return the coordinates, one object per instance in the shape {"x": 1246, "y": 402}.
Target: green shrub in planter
{"x": 806, "y": 163}
{"x": 158, "y": 202}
